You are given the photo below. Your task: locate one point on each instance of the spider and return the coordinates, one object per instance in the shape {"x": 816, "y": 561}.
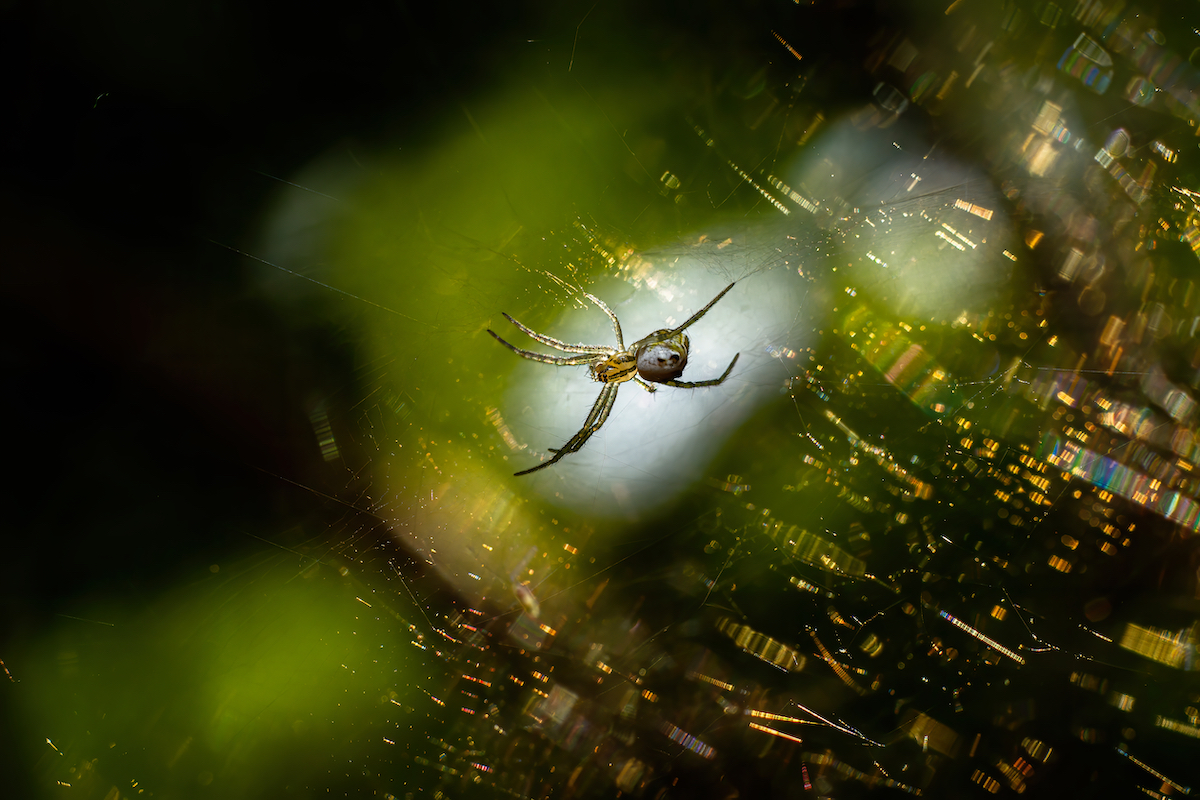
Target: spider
{"x": 658, "y": 358}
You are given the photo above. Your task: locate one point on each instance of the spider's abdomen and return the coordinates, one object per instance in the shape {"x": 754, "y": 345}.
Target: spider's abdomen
{"x": 663, "y": 361}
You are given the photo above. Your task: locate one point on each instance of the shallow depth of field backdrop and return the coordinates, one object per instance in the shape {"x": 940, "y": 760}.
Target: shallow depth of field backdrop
{"x": 935, "y": 534}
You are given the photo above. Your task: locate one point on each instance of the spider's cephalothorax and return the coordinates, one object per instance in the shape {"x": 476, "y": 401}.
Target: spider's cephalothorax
{"x": 618, "y": 369}
{"x": 658, "y": 358}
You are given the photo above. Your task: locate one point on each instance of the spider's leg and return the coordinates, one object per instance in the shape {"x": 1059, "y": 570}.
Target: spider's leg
{"x": 647, "y": 386}
{"x": 701, "y": 312}
{"x": 558, "y": 361}
{"x": 557, "y": 455}
{"x": 560, "y": 345}
{"x": 611, "y": 315}
{"x": 595, "y": 419}
{"x": 698, "y": 384}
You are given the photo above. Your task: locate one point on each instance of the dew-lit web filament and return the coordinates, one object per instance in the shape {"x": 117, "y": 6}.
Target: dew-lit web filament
{"x": 837, "y": 726}
{"x": 688, "y": 741}
{"x": 774, "y": 732}
{"x": 837, "y": 668}
{"x": 1179, "y": 787}
{"x": 990, "y": 642}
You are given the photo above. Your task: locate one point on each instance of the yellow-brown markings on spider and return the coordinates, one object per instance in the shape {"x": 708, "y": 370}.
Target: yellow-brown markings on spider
{"x": 657, "y": 358}
{"x": 618, "y": 369}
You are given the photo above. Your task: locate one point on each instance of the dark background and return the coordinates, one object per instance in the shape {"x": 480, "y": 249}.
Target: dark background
{"x": 151, "y": 394}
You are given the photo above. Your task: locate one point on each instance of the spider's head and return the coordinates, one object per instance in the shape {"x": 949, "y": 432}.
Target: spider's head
{"x": 663, "y": 361}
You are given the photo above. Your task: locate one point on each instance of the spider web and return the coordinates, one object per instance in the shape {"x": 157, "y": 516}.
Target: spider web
{"x": 906, "y": 460}
{"x": 920, "y": 499}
